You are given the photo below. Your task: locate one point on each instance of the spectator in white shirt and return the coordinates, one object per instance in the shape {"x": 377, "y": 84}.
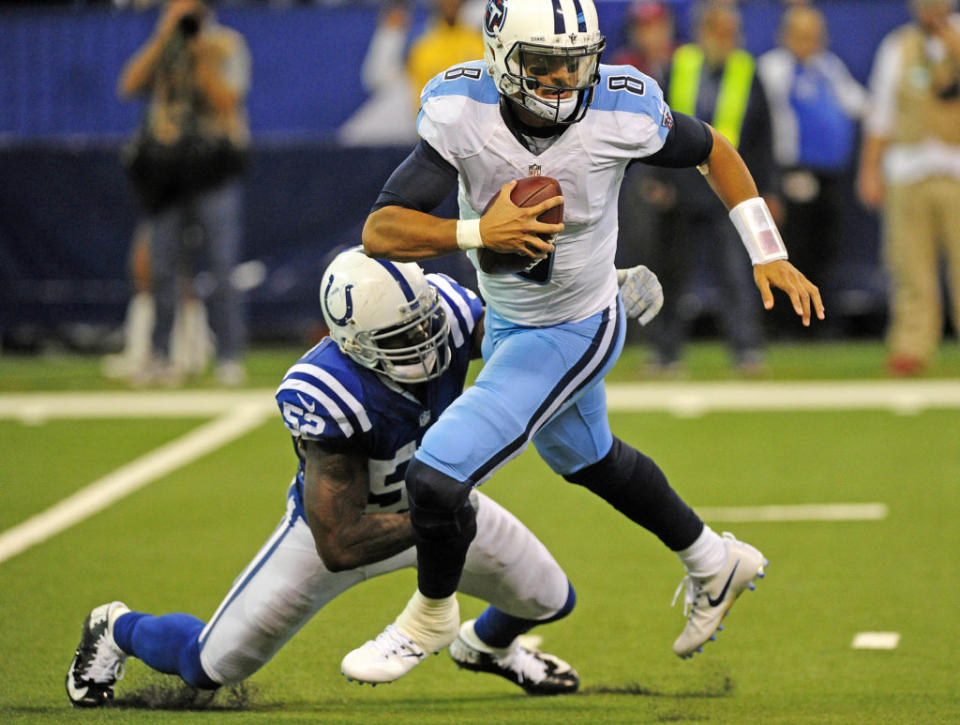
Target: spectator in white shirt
{"x": 815, "y": 104}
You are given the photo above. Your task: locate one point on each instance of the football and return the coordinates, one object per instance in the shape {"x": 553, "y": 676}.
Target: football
{"x": 529, "y": 191}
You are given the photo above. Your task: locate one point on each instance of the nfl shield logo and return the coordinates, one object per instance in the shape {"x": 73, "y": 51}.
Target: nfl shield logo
{"x": 667, "y": 120}
{"x": 534, "y": 169}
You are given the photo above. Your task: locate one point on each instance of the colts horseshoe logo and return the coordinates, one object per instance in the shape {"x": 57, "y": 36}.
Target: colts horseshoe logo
{"x": 349, "y": 303}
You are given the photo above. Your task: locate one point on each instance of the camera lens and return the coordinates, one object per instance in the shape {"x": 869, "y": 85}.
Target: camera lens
{"x": 189, "y": 25}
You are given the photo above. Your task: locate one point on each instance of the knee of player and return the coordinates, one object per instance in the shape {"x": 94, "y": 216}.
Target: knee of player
{"x": 622, "y": 464}
{"x": 568, "y": 605}
{"x": 430, "y": 489}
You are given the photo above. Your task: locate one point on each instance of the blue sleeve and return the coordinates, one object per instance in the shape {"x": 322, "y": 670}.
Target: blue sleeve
{"x": 421, "y": 182}
{"x": 688, "y": 143}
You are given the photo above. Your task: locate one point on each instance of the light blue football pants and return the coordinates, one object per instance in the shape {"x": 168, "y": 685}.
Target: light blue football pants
{"x": 543, "y": 384}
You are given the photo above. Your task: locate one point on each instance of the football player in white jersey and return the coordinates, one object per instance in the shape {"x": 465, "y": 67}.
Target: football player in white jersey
{"x": 357, "y": 405}
{"x": 541, "y": 103}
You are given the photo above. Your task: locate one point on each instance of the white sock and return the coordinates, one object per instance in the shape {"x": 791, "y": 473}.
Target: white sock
{"x": 190, "y": 344}
{"x": 705, "y": 556}
{"x": 138, "y": 328}
{"x": 469, "y": 634}
{"x": 431, "y": 623}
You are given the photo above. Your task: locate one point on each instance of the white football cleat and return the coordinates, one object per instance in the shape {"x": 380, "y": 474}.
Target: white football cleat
{"x": 708, "y": 600}
{"x": 387, "y": 658}
{"x": 425, "y": 626}
{"x": 98, "y": 663}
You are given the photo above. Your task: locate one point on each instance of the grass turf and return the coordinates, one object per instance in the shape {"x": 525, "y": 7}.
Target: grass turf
{"x": 785, "y": 656}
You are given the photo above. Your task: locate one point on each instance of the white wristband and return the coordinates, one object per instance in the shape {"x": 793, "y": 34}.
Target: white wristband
{"x": 757, "y": 230}
{"x": 468, "y": 234}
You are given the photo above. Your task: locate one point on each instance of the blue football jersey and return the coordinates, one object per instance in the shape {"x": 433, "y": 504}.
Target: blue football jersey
{"x": 328, "y": 397}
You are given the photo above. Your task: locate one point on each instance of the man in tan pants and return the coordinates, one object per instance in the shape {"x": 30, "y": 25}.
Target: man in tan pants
{"x": 910, "y": 166}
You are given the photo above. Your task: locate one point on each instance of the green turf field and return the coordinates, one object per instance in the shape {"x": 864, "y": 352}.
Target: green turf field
{"x": 785, "y": 656}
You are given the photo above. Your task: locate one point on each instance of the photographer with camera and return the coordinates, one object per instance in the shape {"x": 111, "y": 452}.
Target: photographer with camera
{"x": 186, "y": 163}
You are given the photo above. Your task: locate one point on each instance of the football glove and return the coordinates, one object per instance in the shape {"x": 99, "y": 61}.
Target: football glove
{"x": 641, "y": 293}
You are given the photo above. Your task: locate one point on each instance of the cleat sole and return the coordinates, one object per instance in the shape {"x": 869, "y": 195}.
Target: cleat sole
{"x": 761, "y": 573}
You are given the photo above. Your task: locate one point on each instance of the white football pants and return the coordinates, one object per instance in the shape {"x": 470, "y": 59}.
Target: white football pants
{"x": 286, "y": 583}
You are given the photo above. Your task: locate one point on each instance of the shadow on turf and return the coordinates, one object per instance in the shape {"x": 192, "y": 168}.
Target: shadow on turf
{"x": 177, "y": 695}
{"x": 724, "y": 688}
{"x": 174, "y": 695}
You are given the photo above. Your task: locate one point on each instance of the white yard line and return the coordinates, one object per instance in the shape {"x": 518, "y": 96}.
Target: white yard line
{"x": 685, "y": 399}
{"x": 876, "y": 640}
{"x": 801, "y": 512}
{"x": 128, "y": 478}
{"x": 39, "y": 407}
{"x": 692, "y": 399}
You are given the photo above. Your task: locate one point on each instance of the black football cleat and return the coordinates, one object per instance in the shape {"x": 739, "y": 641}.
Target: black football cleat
{"x": 538, "y": 673}
{"x": 98, "y": 663}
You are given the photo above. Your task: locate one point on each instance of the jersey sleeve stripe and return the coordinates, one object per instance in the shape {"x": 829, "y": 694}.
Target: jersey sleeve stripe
{"x": 333, "y": 410}
{"x": 456, "y": 298}
{"x": 345, "y": 412}
{"x": 455, "y": 329}
{"x": 338, "y": 389}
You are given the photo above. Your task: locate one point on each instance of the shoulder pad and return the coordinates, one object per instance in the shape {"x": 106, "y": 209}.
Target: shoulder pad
{"x": 456, "y": 107}
{"x": 319, "y": 403}
{"x": 624, "y": 88}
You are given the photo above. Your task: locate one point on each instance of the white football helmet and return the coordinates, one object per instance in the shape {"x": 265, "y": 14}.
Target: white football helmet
{"x": 385, "y": 316}
{"x": 550, "y": 46}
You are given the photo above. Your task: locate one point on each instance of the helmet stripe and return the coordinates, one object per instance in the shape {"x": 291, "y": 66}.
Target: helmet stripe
{"x": 401, "y": 280}
{"x": 581, "y": 18}
{"x": 559, "y": 22}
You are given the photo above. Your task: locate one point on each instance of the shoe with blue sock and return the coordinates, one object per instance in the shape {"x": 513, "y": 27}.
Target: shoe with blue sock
{"x": 98, "y": 662}
{"x": 538, "y": 673}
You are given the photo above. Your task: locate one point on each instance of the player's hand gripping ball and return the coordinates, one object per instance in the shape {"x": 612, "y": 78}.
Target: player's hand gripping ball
{"x": 529, "y": 191}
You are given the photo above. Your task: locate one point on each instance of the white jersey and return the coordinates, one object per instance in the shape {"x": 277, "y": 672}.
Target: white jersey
{"x": 628, "y": 119}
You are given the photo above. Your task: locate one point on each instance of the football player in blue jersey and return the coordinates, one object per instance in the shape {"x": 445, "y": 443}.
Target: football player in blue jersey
{"x": 357, "y": 406}
{"x": 541, "y": 103}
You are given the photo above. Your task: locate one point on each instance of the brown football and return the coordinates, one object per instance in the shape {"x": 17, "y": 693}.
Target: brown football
{"x": 529, "y": 191}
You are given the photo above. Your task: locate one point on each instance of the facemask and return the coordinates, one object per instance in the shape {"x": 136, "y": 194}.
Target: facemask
{"x": 412, "y": 373}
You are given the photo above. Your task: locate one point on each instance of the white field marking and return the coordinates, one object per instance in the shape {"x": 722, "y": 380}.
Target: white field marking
{"x": 693, "y": 399}
{"x": 128, "y": 478}
{"x": 680, "y": 398}
{"x": 875, "y": 640}
{"x": 38, "y": 407}
{"x": 801, "y": 512}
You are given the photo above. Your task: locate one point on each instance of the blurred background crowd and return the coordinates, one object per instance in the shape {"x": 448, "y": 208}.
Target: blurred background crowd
{"x": 175, "y": 174}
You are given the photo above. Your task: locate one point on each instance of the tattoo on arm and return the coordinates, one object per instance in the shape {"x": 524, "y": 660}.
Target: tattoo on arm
{"x": 336, "y": 486}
